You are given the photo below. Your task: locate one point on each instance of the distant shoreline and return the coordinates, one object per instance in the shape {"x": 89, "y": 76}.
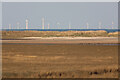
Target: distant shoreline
{"x": 108, "y": 30}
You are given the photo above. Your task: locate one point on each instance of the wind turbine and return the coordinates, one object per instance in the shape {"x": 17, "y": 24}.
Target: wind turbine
{"x": 43, "y": 23}
{"x": 26, "y": 24}
{"x": 112, "y": 24}
{"x": 100, "y": 25}
{"x": 87, "y": 25}
{"x": 48, "y": 26}
{"x": 58, "y": 24}
{"x": 69, "y": 26}
{"x": 18, "y": 25}
{"x": 9, "y": 26}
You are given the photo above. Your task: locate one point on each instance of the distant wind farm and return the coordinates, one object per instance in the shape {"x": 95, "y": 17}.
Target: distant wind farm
{"x": 60, "y": 40}
{"x": 45, "y": 25}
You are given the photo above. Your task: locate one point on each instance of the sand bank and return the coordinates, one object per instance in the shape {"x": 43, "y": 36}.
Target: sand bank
{"x": 64, "y": 40}
{"x": 70, "y": 38}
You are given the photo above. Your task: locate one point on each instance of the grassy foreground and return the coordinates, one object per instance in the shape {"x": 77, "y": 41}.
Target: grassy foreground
{"x": 20, "y": 34}
{"x": 59, "y": 61}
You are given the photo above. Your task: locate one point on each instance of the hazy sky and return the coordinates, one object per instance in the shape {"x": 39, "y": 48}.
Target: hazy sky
{"x": 0, "y": 15}
{"x": 60, "y": 0}
{"x": 76, "y": 13}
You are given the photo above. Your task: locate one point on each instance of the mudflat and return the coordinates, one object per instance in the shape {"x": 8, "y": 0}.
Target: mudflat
{"x": 65, "y": 40}
{"x": 59, "y": 61}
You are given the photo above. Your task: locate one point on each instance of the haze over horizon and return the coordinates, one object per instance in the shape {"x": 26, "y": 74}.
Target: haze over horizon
{"x": 60, "y": 14}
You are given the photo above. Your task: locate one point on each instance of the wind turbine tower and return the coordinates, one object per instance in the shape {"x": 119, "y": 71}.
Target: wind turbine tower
{"x": 112, "y": 24}
{"x": 9, "y": 26}
{"x": 100, "y": 25}
{"x": 58, "y": 25}
{"x": 18, "y": 25}
{"x": 26, "y": 24}
{"x": 48, "y": 26}
{"x": 69, "y": 26}
{"x": 43, "y": 23}
{"x": 87, "y": 25}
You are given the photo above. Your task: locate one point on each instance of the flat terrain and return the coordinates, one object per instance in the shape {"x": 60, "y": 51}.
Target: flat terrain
{"x": 59, "y": 60}
{"x": 65, "y": 40}
{"x": 54, "y": 54}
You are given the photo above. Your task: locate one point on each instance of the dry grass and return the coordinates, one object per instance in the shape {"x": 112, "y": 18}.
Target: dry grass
{"x": 59, "y": 61}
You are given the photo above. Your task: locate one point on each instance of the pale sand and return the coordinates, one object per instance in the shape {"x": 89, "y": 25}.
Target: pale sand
{"x": 73, "y": 38}
{"x": 64, "y": 40}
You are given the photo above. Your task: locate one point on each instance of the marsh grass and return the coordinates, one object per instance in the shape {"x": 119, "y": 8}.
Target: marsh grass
{"x": 101, "y": 73}
{"x": 59, "y": 61}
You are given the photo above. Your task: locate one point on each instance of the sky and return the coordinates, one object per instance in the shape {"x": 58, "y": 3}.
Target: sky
{"x": 0, "y": 15}
{"x": 60, "y": 0}
{"x": 60, "y": 14}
